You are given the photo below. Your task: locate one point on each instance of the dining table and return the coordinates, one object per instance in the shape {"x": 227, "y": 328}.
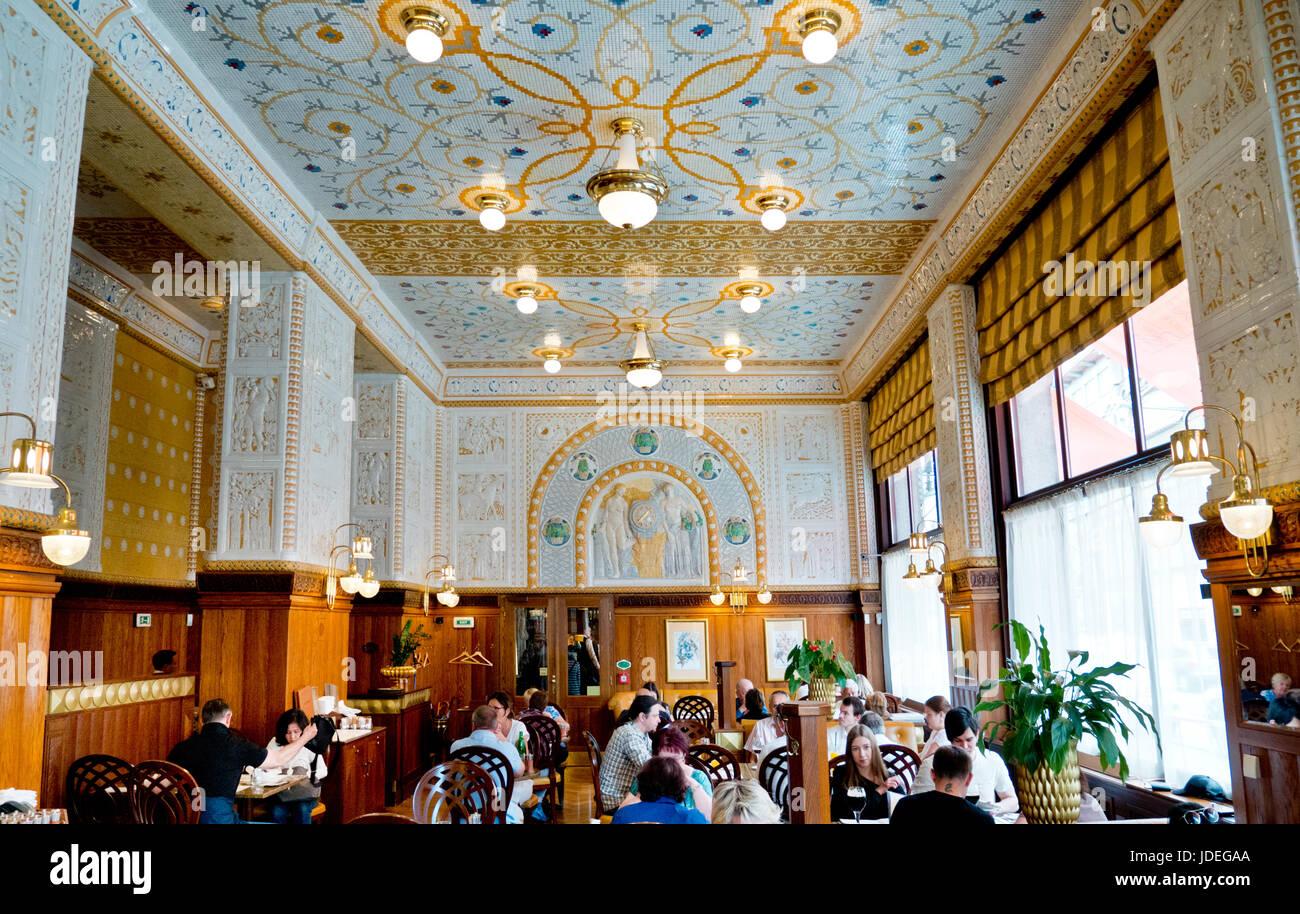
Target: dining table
{"x": 249, "y": 794}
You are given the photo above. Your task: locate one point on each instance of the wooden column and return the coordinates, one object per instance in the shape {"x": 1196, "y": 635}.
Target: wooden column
{"x": 726, "y": 707}
{"x": 27, "y": 589}
{"x": 266, "y": 635}
{"x": 810, "y": 786}
{"x": 973, "y": 599}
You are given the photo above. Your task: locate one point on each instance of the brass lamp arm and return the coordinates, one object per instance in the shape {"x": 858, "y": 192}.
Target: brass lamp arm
{"x": 446, "y": 560}
{"x": 30, "y": 420}
{"x": 66, "y": 490}
{"x": 1204, "y": 406}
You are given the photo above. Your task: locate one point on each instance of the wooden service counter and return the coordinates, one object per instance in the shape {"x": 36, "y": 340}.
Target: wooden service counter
{"x": 406, "y": 717}
{"x": 355, "y": 785}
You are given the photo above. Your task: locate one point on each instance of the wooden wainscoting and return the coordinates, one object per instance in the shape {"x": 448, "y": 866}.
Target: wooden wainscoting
{"x": 135, "y": 720}
{"x": 92, "y": 615}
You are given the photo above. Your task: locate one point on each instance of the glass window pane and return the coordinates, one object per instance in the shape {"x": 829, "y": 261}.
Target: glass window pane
{"x": 1098, "y": 405}
{"x": 1169, "y": 377}
{"x": 1036, "y": 425}
{"x": 900, "y": 521}
{"x": 530, "y": 648}
{"x": 924, "y": 483}
{"x": 583, "y": 651}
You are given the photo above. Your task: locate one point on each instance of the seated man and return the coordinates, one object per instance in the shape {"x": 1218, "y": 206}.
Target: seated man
{"x": 770, "y": 728}
{"x": 851, "y": 711}
{"x": 873, "y": 722}
{"x": 946, "y": 804}
{"x": 486, "y": 734}
{"x": 216, "y": 759}
{"x": 742, "y": 689}
{"x": 990, "y": 784}
{"x": 628, "y": 750}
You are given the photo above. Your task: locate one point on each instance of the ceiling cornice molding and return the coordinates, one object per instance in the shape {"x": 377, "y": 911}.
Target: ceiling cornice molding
{"x": 137, "y": 66}
{"x": 1093, "y": 80}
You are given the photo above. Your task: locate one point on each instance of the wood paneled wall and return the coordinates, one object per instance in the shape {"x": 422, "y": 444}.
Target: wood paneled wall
{"x": 134, "y": 732}
{"x": 94, "y": 616}
{"x": 27, "y": 588}
{"x": 1264, "y": 621}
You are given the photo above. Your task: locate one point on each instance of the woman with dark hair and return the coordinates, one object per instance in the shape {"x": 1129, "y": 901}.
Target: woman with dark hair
{"x": 663, "y": 787}
{"x": 508, "y": 728}
{"x": 671, "y": 743}
{"x": 754, "y": 709}
{"x": 294, "y": 806}
{"x": 860, "y": 787}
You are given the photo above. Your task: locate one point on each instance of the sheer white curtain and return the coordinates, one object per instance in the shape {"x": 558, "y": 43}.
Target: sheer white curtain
{"x": 916, "y": 640}
{"x": 1078, "y": 565}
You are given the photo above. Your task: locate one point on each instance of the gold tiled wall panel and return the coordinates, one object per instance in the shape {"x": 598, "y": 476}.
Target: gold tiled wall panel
{"x": 146, "y": 494}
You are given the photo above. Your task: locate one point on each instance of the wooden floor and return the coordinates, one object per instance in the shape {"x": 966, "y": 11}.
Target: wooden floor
{"x": 578, "y": 806}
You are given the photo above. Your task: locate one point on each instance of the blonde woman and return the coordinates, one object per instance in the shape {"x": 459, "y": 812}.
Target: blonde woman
{"x": 743, "y": 802}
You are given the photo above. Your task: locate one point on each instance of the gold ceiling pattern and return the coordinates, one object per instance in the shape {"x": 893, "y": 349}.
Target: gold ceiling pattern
{"x": 135, "y": 244}
{"x": 688, "y": 249}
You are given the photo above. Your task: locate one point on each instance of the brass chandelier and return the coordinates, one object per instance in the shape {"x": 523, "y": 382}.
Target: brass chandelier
{"x": 627, "y": 195}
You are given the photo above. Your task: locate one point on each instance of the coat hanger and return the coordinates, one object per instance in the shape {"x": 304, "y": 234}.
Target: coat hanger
{"x": 1281, "y": 645}
{"x": 474, "y": 659}
{"x": 1241, "y": 647}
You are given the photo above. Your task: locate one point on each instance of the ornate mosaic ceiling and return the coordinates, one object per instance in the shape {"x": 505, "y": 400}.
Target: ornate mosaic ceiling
{"x": 868, "y": 147}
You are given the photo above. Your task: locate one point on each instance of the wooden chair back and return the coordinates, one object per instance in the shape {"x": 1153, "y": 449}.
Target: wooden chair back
{"x": 593, "y": 762}
{"x": 495, "y": 763}
{"x": 454, "y": 791}
{"x": 97, "y": 790}
{"x": 836, "y": 763}
{"x": 695, "y": 730}
{"x": 774, "y": 777}
{"x": 383, "y": 818}
{"x": 716, "y": 762}
{"x": 903, "y": 762}
{"x": 543, "y": 739}
{"x": 163, "y": 794}
{"x": 593, "y": 746}
{"x": 694, "y": 707}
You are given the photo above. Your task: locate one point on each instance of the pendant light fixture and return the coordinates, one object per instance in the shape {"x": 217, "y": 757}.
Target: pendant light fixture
{"x": 818, "y": 28}
{"x": 491, "y": 211}
{"x": 772, "y": 207}
{"x": 64, "y": 544}
{"x": 425, "y": 29}
{"x": 627, "y": 195}
{"x": 919, "y": 547}
{"x": 731, "y": 360}
{"x": 642, "y": 368}
{"x": 447, "y": 596}
{"x": 551, "y": 361}
{"x": 362, "y": 547}
{"x": 1245, "y": 513}
{"x": 30, "y": 460}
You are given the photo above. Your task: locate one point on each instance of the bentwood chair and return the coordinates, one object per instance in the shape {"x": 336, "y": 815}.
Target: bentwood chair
{"x": 495, "y": 763}
{"x": 717, "y": 763}
{"x": 774, "y": 777}
{"x": 903, "y": 762}
{"x": 98, "y": 790}
{"x": 383, "y": 818}
{"x": 163, "y": 794}
{"x": 562, "y": 750}
{"x": 695, "y": 730}
{"x": 593, "y": 762}
{"x": 695, "y": 707}
{"x": 456, "y": 791}
{"x": 544, "y": 743}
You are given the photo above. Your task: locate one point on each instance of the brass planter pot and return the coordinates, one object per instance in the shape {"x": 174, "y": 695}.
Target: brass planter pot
{"x": 1048, "y": 798}
{"x": 822, "y": 690}
{"x": 398, "y": 675}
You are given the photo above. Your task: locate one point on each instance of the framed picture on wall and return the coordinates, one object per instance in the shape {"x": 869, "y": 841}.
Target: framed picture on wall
{"x": 688, "y": 650}
{"x": 780, "y": 637}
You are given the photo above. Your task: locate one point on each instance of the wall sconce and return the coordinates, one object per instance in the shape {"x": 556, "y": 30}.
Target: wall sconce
{"x": 1245, "y": 514}
{"x": 739, "y": 598}
{"x": 918, "y": 547}
{"x": 353, "y": 582}
{"x": 447, "y": 596}
{"x": 30, "y": 460}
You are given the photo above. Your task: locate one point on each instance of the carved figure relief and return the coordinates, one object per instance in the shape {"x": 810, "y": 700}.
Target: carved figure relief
{"x": 647, "y": 529}
{"x": 476, "y": 560}
{"x": 809, "y": 496}
{"x": 326, "y": 425}
{"x": 249, "y": 511}
{"x": 481, "y": 436}
{"x": 816, "y": 561}
{"x": 255, "y": 429}
{"x": 807, "y": 438}
{"x": 374, "y": 411}
{"x": 373, "y": 480}
{"x": 259, "y": 326}
{"x": 481, "y": 496}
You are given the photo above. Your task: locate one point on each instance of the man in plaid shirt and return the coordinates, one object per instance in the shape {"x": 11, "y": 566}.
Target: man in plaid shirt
{"x": 628, "y": 750}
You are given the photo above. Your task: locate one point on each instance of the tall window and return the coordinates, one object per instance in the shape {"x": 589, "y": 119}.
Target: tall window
{"x": 1120, "y": 397}
{"x": 911, "y": 497}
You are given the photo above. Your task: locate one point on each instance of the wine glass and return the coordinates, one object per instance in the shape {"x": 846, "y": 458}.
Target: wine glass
{"x": 857, "y": 793}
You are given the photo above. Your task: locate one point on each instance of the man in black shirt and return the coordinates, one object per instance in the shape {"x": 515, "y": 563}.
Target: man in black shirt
{"x": 946, "y": 805}
{"x": 216, "y": 758}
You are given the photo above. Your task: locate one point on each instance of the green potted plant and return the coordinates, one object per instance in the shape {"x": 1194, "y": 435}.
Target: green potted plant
{"x": 820, "y": 665}
{"x": 1048, "y": 711}
{"x": 405, "y": 644}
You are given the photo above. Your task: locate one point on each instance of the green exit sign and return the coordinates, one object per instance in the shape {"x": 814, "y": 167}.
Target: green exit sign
{"x": 462, "y": 622}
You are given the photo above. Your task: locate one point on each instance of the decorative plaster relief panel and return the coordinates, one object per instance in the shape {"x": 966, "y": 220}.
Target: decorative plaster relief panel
{"x": 807, "y": 438}
{"x": 817, "y": 562}
{"x": 808, "y": 496}
{"x": 476, "y": 558}
{"x": 254, "y": 426}
{"x": 375, "y": 410}
{"x": 380, "y": 531}
{"x": 250, "y": 511}
{"x": 482, "y": 438}
{"x": 260, "y": 327}
{"x": 481, "y": 497}
{"x": 373, "y": 479}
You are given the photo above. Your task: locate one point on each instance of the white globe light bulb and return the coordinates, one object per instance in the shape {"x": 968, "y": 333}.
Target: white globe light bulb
{"x": 750, "y": 303}
{"x": 820, "y": 45}
{"x": 526, "y": 304}
{"x": 491, "y": 218}
{"x": 65, "y": 548}
{"x": 627, "y": 209}
{"x": 425, "y": 45}
{"x": 732, "y": 365}
{"x": 551, "y": 366}
{"x": 1160, "y": 533}
{"x": 773, "y": 219}
{"x": 1249, "y": 520}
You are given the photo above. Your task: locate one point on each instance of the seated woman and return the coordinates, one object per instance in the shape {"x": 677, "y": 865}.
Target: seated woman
{"x": 294, "y": 806}
{"x": 744, "y": 802}
{"x": 663, "y": 786}
{"x": 860, "y": 788}
{"x": 539, "y": 702}
{"x": 877, "y": 702}
{"x": 754, "y": 709}
{"x": 671, "y": 743}
{"x": 936, "y": 707}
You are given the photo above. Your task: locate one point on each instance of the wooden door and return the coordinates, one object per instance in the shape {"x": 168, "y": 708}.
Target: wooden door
{"x": 583, "y": 685}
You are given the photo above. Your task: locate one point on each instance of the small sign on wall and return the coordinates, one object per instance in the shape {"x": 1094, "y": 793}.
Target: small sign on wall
{"x": 462, "y": 622}
{"x": 143, "y": 620}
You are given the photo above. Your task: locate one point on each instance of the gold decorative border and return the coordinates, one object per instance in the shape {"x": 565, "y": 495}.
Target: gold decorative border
{"x": 1280, "y": 26}
{"x": 561, "y": 453}
{"x": 98, "y": 577}
{"x": 66, "y": 699}
{"x": 389, "y": 705}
